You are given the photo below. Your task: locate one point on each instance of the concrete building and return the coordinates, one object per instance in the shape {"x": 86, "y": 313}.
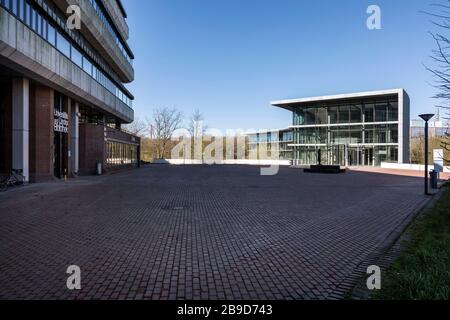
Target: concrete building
{"x": 358, "y": 129}
{"x": 62, "y": 92}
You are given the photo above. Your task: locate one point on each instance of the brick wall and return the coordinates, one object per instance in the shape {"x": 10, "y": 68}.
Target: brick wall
{"x": 41, "y": 134}
{"x": 92, "y": 147}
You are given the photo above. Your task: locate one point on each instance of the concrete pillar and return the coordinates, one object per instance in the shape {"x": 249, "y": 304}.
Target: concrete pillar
{"x": 41, "y": 133}
{"x": 21, "y": 125}
{"x": 75, "y": 145}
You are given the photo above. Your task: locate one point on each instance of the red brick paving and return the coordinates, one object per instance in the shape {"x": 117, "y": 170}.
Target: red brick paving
{"x": 198, "y": 232}
{"x": 406, "y": 173}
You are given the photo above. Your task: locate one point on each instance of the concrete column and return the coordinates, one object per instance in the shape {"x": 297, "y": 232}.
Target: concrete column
{"x": 21, "y": 125}
{"x": 75, "y": 145}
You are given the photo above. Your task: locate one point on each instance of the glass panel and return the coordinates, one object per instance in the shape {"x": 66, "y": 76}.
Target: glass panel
{"x": 333, "y": 114}
{"x": 381, "y": 112}
{"x": 299, "y": 117}
{"x": 392, "y": 134}
{"x": 393, "y": 111}
{"x": 380, "y": 134}
{"x": 62, "y": 44}
{"x": 77, "y": 57}
{"x": 51, "y": 35}
{"x": 310, "y": 116}
{"x": 344, "y": 114}
{"x": 22, "y": 9}
{"x": 322, "y": 116}
{"x": 355, "y": 134}
{"x": 343, "y": 135}
{"x": 356, "y": 114}
{"x": 322, "y": 135}
{"x": 369, "y": 110}
{"x": 369, "y": 134}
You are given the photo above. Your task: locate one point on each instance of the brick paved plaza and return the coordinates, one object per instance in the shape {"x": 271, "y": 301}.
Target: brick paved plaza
{"x": 199, "y": 232}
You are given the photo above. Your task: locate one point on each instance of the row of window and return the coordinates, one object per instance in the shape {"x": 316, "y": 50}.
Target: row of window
{"x": 347, "y": 135}
{"x": 270, "y": 137}
{"x": 39, "y": 24}
{"x": 121, "y": 154}
{"x": 347, "y": 113}
{"x": 338, "y": 155}
{"x": 103, "y": 17}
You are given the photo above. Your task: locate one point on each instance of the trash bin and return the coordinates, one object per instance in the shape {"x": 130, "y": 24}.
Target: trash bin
{"x": 99, "y": 168}
{"x": 433, "y": 179}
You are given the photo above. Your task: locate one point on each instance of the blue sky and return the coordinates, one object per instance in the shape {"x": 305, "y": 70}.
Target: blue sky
{"x": 230, "y": 58}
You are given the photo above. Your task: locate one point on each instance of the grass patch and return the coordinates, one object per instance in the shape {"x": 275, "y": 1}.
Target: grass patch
{"x": 423, "y": 271}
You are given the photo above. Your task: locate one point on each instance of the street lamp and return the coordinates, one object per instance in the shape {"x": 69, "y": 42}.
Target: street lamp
{"x": 426, "y": 118}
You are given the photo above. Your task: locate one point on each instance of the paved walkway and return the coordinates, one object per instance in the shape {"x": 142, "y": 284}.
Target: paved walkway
{"x": 199, "y": 232}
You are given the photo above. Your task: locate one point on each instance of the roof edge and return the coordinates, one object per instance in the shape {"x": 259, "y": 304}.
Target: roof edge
{"x": 339, "y": 96}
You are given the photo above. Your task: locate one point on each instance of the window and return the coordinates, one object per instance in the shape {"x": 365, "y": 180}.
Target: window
{"x": 392, "y": 111}
{"x": 369, "y": 112}
{"x": 310, "y": 116}
{"x": 33, "y": 19}
{"x": 51, "y": 35}
{"x": 333, "y": 114}
{"x": 27, "y": 19}
{"x": 355, "y": 134}
{"x": 344, "y": 114}
{"x": 24, "y": 11}
{"x": 356, "y": 114}
{"x": 62, "y": 45}
{"x": 38, "y": 25}
{"x": 87, "y": 66}
{"x": 121, "y": 153}
{"x": 381, "y": 112}
{"x": 369, "y": 134}
{"x": 77, "y": 57}
{"x": 322, "y": 116}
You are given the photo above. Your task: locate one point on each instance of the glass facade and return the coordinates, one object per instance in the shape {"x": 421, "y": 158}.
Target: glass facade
{"x": 121, "y": 154}
{"x": 269, "y": 145}
{"x": 357, "y": 132}
{"x": 46, "y": 23}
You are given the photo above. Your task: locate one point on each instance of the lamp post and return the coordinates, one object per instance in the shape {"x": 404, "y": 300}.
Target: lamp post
{"x": 426, "y": 118}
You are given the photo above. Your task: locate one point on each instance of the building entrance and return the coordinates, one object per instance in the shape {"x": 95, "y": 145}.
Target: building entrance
{"x": 61, "y": 139}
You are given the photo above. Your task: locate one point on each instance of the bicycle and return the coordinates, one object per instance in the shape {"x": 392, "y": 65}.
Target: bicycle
{"x": 15, "y": 178}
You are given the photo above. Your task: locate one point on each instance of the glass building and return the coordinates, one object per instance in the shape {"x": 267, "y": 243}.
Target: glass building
{"x": 360, "y": 129}
{"x": 270, "y": 144}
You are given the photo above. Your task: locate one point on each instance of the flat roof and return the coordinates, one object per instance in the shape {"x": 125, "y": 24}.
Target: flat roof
{"x": 288, "y": 104}
{"x": 265, "y": 131}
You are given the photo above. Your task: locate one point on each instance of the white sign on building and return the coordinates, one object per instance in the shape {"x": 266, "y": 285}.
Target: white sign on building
{"x": 61, "y": 121}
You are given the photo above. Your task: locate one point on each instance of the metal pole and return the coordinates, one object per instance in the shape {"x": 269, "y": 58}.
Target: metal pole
{"x": 426, "y": 157}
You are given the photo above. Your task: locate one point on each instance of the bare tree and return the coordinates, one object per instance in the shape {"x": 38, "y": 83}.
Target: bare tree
{"x": 196, "y": 126}
{"x": 138, "y": 127}
{"x": 161, "y": 127}
{"x": 441, "y": 59}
